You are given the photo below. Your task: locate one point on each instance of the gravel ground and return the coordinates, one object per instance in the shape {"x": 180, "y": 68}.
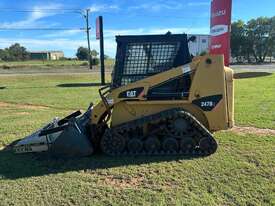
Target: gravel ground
{"x": 76, "y": 70}
{"x": 256, "y": 68}
{"x": 49, "y": 70}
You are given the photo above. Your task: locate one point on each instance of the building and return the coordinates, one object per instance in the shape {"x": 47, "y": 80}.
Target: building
{"x": 200, "y": 45}
{"x": 46, "y": 55}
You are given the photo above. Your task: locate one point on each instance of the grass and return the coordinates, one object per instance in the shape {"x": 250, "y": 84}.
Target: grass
{"x": 255, "y": 102}
{"x": 240, "y": 173}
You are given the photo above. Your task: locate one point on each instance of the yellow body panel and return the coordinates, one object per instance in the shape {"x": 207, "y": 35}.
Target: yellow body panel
{"x": 209, "y": 77}
{"x": 133, "y": 110}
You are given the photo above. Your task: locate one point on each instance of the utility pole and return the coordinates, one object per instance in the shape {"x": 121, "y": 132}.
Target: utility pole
{"x": 86, "y": 16}
{"x": 102, "y": 51}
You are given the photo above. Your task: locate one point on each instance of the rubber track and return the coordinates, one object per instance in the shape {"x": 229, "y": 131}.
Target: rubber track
{"x": 155, "y": 119}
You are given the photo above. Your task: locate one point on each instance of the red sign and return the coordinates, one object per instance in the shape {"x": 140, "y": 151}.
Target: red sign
{"x": 97, "y": 28}
{"x": 220, "y": 28}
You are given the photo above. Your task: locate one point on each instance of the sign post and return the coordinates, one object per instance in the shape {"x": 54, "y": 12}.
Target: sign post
{"x": 220, "y": 24}
{"x": 99, "y": 36}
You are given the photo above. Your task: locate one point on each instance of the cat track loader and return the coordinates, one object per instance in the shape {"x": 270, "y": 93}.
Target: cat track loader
{"x": 160, "y": 102}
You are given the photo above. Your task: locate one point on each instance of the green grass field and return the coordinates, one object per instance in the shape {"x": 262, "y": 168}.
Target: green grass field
{"x": 241, "y": 172}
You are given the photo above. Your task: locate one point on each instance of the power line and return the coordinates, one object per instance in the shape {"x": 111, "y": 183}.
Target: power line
{"x": 134, "y": 15}
{"x": 42, "y": 29}
{"x": 40, "y": 10}
{"x": 79, "y": 10}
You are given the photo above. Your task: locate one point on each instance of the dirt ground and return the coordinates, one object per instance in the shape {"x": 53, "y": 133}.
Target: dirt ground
{"x": 22, "y": 106}
{"x": 255, "y": 68}
{"x": 252, "y": 130}
{"x": 81, "y": 69}
{"x": 51, "y": 70}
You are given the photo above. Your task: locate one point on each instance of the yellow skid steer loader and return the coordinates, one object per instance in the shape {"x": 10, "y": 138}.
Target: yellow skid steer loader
{"x": 160, "y": 102}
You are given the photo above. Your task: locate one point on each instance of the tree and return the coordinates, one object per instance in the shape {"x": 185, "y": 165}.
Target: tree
{"x": 82, "y": 53}
{"x": 106, "y": 57}
{"x": 272, "y": 35}
{"x": 18, "y": 52}
{"x": 95, "y": 59}
{"x": 14, "y": 53}
{"x": 2, "y": 54}
{"x": 94, "y": 53}
{"x": 255, "y": 38}
{"x": 259, "y": 34}
{"x": 238, "y": 40}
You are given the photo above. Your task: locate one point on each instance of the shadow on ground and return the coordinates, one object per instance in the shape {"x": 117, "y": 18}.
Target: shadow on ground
{"x": 244, "y": 75}
{"x": 15, "y": 166}
{"x": 2, "y": 87}
{"x": 79, "y": 85}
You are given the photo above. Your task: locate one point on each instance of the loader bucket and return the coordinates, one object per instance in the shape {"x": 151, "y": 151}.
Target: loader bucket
{"x": 68, "y": 137}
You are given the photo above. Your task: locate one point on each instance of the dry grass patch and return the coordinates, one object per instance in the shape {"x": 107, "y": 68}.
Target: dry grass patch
{"x": 252, "y": 130}
{"x": 22, "y": 106}
{"x": 122, "y": 182}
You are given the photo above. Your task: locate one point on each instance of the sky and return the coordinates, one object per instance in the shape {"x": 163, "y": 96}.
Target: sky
{"x": 121, "y": 17}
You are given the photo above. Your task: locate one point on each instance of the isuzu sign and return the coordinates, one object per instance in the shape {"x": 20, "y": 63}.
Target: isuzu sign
{"x": 220, "y": 28}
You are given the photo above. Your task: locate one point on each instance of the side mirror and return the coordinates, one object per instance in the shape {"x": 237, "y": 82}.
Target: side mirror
{"x": 192, "y": 39}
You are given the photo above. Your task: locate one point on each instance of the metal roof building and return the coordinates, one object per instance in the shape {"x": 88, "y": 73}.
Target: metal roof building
{"x": 46, "y": 55}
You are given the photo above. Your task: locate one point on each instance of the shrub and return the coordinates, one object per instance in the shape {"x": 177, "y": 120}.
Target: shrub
{"x": 84, "y": 64}
{"x": 5, "y": 66}
{"x": 203, "y": 53}
{"x": 95, "y": 61}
